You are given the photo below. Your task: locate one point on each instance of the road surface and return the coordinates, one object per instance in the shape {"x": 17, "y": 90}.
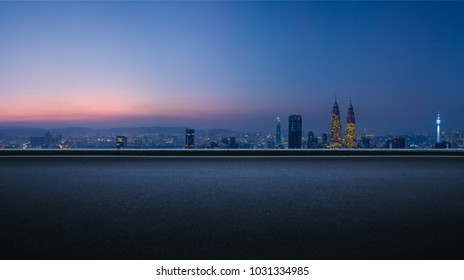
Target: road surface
{"x": 231, "y": 207}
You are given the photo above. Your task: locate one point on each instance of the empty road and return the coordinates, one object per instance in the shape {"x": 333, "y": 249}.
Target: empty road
{"x": 231, "y": 207}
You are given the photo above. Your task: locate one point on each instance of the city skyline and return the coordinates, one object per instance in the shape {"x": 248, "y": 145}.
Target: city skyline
{"x": 334, "y": 128}
{"x": 231, "y": 65}
{"x": 170, "y": 138}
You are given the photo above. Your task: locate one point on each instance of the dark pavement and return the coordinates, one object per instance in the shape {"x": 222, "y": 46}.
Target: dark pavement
{"x": 232, "y": 208}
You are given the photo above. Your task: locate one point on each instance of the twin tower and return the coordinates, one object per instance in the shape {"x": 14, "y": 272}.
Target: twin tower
{"x": 336, "y": 128}
{"x": 336, "y": 141}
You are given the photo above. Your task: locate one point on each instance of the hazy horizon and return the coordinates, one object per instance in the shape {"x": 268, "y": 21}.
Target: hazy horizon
{"x": 232, "y": 65}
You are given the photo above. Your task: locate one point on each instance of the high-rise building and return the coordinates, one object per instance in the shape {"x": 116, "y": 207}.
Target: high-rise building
{"x": 335, "y": 127}
{"x": 350, "y": 137}
{"x": 294, "y": 131}
{"x": 231, "y": 144}
{"x": 278, "y": 140}
{"x": 48, "y": 139}
{"x": 312, "y": 141}
{"x": 189, "y": 138}
{"x": 438, "y": 128}
{"x": 325, "y": 139}
{"x": 121, "y": 142}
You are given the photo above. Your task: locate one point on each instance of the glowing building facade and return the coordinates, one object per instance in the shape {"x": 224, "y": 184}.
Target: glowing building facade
{"x": 350, "y": 137}
{"x": 335, "y": 127}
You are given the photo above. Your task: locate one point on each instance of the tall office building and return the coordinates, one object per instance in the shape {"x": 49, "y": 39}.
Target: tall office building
{"x": 278, "y": 140}
{"x": 189, "y": 138}
{"x": 231, "y": 143}
{"x": 335, "y": 127}
{"x": 350, "y": 136}
{"x": 325, "y": 140}
{"x": 294, "y": 131}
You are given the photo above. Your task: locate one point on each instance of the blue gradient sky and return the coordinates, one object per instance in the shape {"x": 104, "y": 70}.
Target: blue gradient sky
{"x": 235, "y": 65}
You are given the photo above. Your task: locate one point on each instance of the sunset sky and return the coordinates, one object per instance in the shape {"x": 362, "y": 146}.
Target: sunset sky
{"x": 233, "y": 65}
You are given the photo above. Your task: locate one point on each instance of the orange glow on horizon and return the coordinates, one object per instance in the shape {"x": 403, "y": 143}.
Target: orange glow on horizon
{"x": 104, "y": 105}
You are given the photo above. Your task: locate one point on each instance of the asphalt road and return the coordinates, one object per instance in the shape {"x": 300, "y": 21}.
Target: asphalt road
{"x": 232, "y": 208}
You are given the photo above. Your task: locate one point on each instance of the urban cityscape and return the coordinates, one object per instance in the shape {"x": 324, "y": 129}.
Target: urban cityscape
{"x": 270, "y": 133}
{"x": 190, "y": 138}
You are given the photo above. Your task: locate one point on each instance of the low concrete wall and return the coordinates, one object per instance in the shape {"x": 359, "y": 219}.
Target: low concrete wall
{"x": 237, "y": 152}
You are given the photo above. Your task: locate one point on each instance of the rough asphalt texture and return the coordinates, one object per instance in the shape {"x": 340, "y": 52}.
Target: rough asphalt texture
{"x": 231, "y": 208}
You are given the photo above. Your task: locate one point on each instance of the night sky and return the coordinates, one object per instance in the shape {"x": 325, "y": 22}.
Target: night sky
{"x": 235, "y": 65}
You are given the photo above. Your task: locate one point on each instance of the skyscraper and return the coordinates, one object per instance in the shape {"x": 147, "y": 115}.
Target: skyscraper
{"x": 278, "y": 133}
{"x": 312, "y": 141}
{"x": 231, "y": 144}
{"x": 189, "y": 138}
{"x": 438, "y": 128}
{"x": 121, "y": 142}
{"x": 335, "y": 127}
{"x": 325, "y": 142}
{"x": 350, "y": 137}
{"x": 294, "y": 131}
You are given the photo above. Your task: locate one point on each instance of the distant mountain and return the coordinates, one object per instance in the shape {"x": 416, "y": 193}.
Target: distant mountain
{"x": 154, "y": 129}
{"x": 20, "y": 131}
{"x": 72, "y": 130}
{"x": 25, "y": 131}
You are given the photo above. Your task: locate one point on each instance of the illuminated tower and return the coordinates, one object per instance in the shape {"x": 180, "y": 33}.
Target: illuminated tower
{"x": 335, "y": 127}
{"x": 350, "y": 128}
{"x": 278, "y": 133}
{"x": 438, "y": 128}
{"x": 294, "y": 131}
